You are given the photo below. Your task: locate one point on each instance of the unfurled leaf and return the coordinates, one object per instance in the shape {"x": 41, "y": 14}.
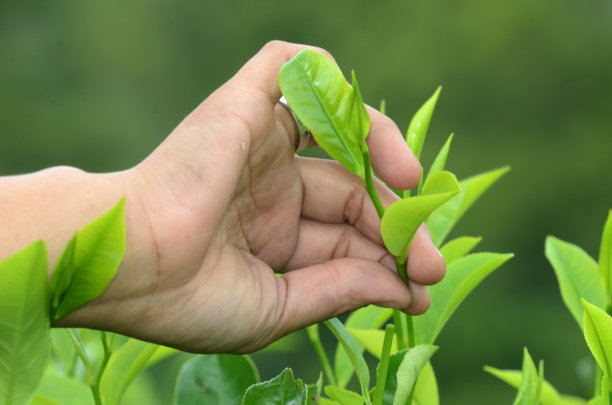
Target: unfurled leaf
{"x": 440, "y": 160}
{"x": 462, "y": 276}
{"x": 25, "y": 342}
{"x": 123, "y": 366}
{"x": 417, "y": 130}
{"x": 63, "y": 350}
{"x": 359, "y": 119}
{"x": 426, "y": 389}
{"x": 89, "y": 262}
{"x": 372, "y": 340}
{"x": 343, "y": 396}
{"x": 404, "y": 369}
{"x": 64, "y": 390}
{"x": 531, "y": 383}
{"x": 355, "y": 355}
{"x": 282, "y": 389}
{"x": 605, "y": 260}
{"x": 321, "y": 98}
{"x": 548, "y": 394}
{"x": 598, "y": 335}
{"x": 457, "y": 248}
{"x": 402, "y": 218}
{"x": 577, "y": 275}
{"x": 370, "y": 317}
{"x": 215, "y": 379}
{"x": 604, "y": 398}
{"x": 442, "y": 220}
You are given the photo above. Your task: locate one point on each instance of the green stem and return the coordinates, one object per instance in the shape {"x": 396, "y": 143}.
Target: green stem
{"x": 400, "y": 264}
{"x": 313, "y": 335}
{"x": 369, "y": 184}
{"x": 410, "y": 323}
{"x": 383, "y": 366}
{"x": 400, "y": 329}
{"x": 91, "y": 379}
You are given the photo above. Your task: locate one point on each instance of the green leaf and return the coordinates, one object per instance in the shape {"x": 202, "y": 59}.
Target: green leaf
{"x": 123, "y": 367}
{"x": 457, "y": 248}
{"x": 25, "y": 342}
{"x": 548, "y": 394}
{"x": 370, "y": 317}
{"x": 354, "y": 354}
{"x": 605, "y": 260}
{"x": 440, "y": 160}
{"x": 577, "y": 275}
{"x": 321, "y": 98}
{"x": 325, "y": 401}
{"x": 343, "y": 396}
{"x": 426, "y": 389}
{"x": 372, "y": 340}
{"x": 402, "y": 218}
{"x": 282, "y": 389}
{"x": 404, "y": 369}
{"x": 529, "y": 390}
{"x": 442, "y": 221}
{"x": 64, "y": 390}
{"x": 604, "y": 398}
{"x": 89, "y": 262}
{"x": 598, "y": 335}
{"x": 359, "y": 119}
{"x": 462, "y": 276}
{"x": 314, "y": 391}
{"x": 417, "y": 130}
{"x": 63, "y": 349}
{"x": 215, "y": 379}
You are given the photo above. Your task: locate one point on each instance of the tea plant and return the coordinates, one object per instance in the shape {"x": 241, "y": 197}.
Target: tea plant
{"x": 586, "y": 289}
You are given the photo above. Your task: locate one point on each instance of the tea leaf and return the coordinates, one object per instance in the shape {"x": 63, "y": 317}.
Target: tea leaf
{"x": 457, "y": 248}
{"x": 359, "y": 120}
{"x": 123, "y": 367}
{"x": 442, "y": 220}
{"x": 462, "y": 276}
{"x": 598, "y": 334}
{"x": 440, "y": 160}
{"x": 426, "y": 388}
{"x": 343, "y": 396}
{"x": 417, "y": 130}
{"x": 604, "y": 398}
{"x": 321, "y": 98}
{"x": 577, "y": 275}
{"x": 402, "y": 218}
{"x": 605, "y": 260}
{"x": 25, "y": 342}
{"x": 529, "y": 390}
{"x": 314, "y": 391}
{"x": 404, "y": 369}
{"x": 215, "y": 379}
{"x": 372, "y": 340}
{"x": 354, "y": 353}
{"x": 282, "y": 389}
{"x": 64, "y": 390}
{"x": 548, "y": 394}
{"x": 89, "y": 262}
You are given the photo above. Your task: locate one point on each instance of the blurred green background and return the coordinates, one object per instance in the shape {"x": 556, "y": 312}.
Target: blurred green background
{"x": 525, "y": 83}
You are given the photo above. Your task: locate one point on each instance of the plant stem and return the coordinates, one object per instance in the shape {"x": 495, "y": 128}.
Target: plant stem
{"x": 91, "y": 379}
{"x": 369, "y": 183}
{"x": 383, "y": 366}
{"x": 410, "y": 323}
{"x": 400, "y": 329}
{"x": 313, "y": 334}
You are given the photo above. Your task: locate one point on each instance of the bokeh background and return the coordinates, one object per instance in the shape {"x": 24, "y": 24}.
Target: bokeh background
{"x": 525, "y": 83}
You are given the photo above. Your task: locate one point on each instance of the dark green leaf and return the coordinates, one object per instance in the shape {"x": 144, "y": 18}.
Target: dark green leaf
{"x": 282, "y": 389}
{"x": 25, "y": 342}
{"x": 89, "y": 262}
{"x": 220, "y": 379}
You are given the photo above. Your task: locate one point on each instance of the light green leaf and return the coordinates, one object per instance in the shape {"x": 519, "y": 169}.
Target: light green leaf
{"x": 354, "y": 354}
{"x": 529, "y": 390}
{"x": 442, "y": 220}
{"x": 402, "y": 218}
{"x": 417, "y": 130}
{"x": 457, "y": 248}
{"x": 321, "y": 98}
{"x": 548, "y": 394}
{"x": 43, "y": 400}
{"x": 64, "y": 390}
{"x": 359, "y": 119}
{"x": 343, "y": 396}
{"x": 372, "y": 340}
{"x": 370, "y": 317}
{"x": 440, "y": 160}
{"x": 426, "y": 389}
{"x": 123, "y": 367}
{"x": 162, "y": 353}
{"x": 598, "y": 335}
{"x": 577, "y": 275}
{"x": 404, "y": 369}
{"x": 282, "y": 389}
{"x": 605, "y": 260}
{"x": 220, "y": 379}
{"x": 462, "y": 276}
{"x": 25, "y": 342}
{"x": 604, "y": 398}
{"x": 325, "y": 401}
{"x": 89, "y": 262}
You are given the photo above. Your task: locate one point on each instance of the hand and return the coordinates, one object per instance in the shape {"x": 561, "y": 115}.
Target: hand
{"x": 223, "y": 204}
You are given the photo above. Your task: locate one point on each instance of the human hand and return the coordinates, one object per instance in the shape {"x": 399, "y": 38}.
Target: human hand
{"x": 223, "y": 204}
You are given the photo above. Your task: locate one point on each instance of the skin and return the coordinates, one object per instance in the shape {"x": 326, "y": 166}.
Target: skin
{"x": 219, "y": 207}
